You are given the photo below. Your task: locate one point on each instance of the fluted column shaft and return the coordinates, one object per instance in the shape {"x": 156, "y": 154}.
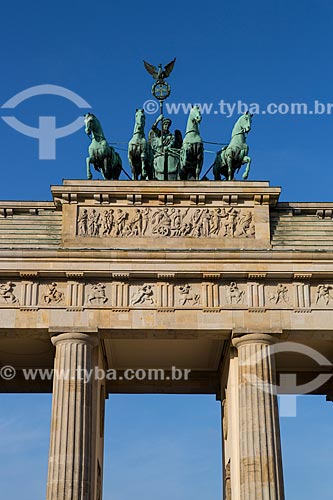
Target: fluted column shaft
{"x": 69, "y": 476}
{"x": 261, "y": 476}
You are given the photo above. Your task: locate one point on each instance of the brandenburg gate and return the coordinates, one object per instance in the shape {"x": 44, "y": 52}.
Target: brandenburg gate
{"x": 209, "y": 277}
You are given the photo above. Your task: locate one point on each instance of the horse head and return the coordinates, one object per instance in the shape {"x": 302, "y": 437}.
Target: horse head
{"x": 243, "y": 124}
{"x": 140, "y": 119}
{"x": 195, "y": 114}
{"x": 88, "y": 122}
{"x": 93, "y": 127}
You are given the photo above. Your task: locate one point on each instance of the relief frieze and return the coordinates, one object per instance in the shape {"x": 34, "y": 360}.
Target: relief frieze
{"x": 167, "y": 293}
{"x": 166, "y": 222}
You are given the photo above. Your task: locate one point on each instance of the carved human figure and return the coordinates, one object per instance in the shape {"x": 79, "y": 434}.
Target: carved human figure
{"x": 53, "y": 295}
{"x": 196, "y": 222}
{"x": 176, "y": 224}
{"x": 98, "y": 294}
{"x": 145, "y": 220}
{"x": 280, "y": 294}
{"x": 205, "y": 222}
{"x": 144, "y": 294}
{"x": 187, "y": 295}
{"x": 234, "y": 294}
{"x": 107, "y": 222}
{"x": 323, "y": 293}
{"x": 93, "y": 222}
{"x": 215, "y": 218}
{"x": 224, "y": 217}
{"x": 136, "y": 223}
{"x": 120, "y": 222}
{"x": 7, "y": 294}
{"x": 243, "y": 224}
{"x": 231, "y": 218}
{"x": 83, "y": 223}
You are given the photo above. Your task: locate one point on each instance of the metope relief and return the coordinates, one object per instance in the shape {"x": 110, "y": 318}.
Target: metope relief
{"x": 97, "y": 295}
{"x": 187, "y": 296}
{"x": 280, "y": 295}
{"x": 324, "y": 294}
{"x": 7, "y": 295}
{"x": 234, "y": 295}
{"x": 143, "y": 295}
{"x": 53, "y": 295}
{"x": 169, "y": 221}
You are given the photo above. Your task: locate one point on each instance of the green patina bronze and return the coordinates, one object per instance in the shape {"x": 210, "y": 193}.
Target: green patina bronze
{"x": 229, "y": 160}
{"x": 160, "y": 89}
{"x": 103, "y": 156}
{"x": 192, "y": 150}
{"x": 139, "y": 150}
{"x": 166, "y": 155}
{"x": 165, "y": 147}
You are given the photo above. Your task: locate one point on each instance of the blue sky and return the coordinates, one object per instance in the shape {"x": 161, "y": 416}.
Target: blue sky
{"x": 255, "y": 52}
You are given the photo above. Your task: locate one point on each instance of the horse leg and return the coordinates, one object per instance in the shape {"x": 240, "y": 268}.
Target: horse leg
{"x": 229, "y": 164}
{"x": 131, "y": 162}
{"x": 197, "y": 168}
{"x": 182, "y": 164}
{"x": 216, "y": 172}
{"x": 217, "y": 166}
{"x": 132, "y": 169}
{"x": 246, "y": 160}
{"x": 89, "y": 174}
{"x": 199, "y": 162}
{"x": 105, "y": 167}
{"x": 143, "y": 166}
{"x": 118, "y": 168}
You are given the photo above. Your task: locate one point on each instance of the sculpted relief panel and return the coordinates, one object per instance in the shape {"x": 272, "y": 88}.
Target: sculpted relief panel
{"x": 169, "y": 221}
{"x": 7, "y": 295}
{"x": 162, "y": 294}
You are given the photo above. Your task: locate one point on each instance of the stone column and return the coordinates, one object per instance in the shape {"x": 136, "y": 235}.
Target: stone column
{"x": 261, "y": 476}
{"x": 70, "y": 475}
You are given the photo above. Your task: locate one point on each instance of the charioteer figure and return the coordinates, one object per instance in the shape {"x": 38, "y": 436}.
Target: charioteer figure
{"x": 165, "y": 147}
{"x": 168, "y": 138}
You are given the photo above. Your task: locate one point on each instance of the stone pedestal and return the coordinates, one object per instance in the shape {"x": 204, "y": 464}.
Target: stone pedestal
{"x": 260, "y": 461}
{"x": 72, "y": 461}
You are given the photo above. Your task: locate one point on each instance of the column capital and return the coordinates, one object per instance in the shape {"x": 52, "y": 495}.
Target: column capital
{"x": 75, "y": 337}
{"x": 240, "y": 339}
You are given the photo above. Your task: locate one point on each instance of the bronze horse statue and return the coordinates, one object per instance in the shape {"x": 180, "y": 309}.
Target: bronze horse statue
{"x": 139, "y": 151}
{"x": 192, "y": 150}
{"x": 229, "y": 159}
{"x": 103, "y": 156}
